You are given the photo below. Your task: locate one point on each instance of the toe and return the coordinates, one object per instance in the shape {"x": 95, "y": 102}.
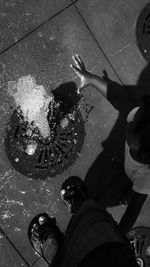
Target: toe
{"x": 42, "y": 220}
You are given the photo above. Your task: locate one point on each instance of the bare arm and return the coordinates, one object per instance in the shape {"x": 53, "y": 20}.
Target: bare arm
{"x": 111, "y": 90}
{"x": 132, "y": 212}
{"x": 100, "y": 85}
{"x": 88, "y": 78}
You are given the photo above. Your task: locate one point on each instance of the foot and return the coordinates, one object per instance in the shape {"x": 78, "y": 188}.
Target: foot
{"x": 45, "y": 237}
{"x": 73, "y": 193}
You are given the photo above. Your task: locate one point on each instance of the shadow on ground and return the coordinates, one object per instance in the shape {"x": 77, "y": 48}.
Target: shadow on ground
{"x": 69, "y": 90}
{"x": 106, "y": 180}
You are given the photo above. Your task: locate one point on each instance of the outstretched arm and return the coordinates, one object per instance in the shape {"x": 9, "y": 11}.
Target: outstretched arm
{"x": 88, "y": 78}
{"x": 111, "y": 90}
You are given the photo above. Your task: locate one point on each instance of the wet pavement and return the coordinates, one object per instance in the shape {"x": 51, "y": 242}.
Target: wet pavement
{"x": 39, "y": 40}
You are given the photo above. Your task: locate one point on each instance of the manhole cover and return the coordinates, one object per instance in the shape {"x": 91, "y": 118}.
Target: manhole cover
{"x": 143, "y": 32}
{"x": 139, "y": 238}
{"x": 53, "y": 154}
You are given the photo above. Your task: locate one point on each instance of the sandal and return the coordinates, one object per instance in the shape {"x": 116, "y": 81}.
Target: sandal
{"x": 73, "y": 193}
{"x": 45, "y": 237}
{"x": 139, "y": 238}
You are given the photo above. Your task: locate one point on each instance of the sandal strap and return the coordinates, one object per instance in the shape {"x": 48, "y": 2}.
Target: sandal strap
{"x": 42, "y": 229}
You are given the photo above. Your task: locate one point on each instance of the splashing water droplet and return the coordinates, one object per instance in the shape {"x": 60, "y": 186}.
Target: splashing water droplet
{"x": 33, "y": 102}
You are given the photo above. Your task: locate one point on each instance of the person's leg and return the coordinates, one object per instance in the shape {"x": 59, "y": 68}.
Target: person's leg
{"x": 90, "y": 226}
{"x": 43, "y": 233}
{"x": 45, "y": 237}
{"x": 109, "y": 255}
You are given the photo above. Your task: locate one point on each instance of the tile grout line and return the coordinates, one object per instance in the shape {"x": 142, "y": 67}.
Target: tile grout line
{"x": 74, "y": 4}
{"x": 42, "y": 24}
{"x": 15, "y": 248}
{"x": 32, "y": 265}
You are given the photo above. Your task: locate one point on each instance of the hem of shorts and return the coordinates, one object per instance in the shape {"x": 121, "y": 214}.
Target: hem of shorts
{"x": 141, "y": 191}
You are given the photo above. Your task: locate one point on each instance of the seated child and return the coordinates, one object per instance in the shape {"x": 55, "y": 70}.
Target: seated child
{"x": 137, "y": 146}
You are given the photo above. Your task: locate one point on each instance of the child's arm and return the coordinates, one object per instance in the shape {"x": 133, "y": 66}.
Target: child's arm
{"x": 132, "y": 212}
{"x": 111, "y": 90}
{"x": 88, "y": 78}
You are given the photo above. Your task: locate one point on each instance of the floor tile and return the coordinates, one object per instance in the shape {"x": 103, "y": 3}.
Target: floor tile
{"x": 9, "y": 256}
{"x": 117, "y": 212}
{"x": 40, "y": 263}
{"x": 18, "y": 18}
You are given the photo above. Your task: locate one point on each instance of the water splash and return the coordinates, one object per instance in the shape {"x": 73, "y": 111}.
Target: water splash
{"x": 32, "y": 101}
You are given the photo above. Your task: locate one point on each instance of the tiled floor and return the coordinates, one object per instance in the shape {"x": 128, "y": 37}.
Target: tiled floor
{"x": 40, "y": 40}
{"x": 20, "y": 18}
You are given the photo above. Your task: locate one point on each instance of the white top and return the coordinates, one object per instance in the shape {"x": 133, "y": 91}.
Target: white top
{"x": 138, "y": 173}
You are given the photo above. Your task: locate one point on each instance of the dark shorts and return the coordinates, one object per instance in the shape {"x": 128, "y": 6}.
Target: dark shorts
{"x": 109, "y": 255}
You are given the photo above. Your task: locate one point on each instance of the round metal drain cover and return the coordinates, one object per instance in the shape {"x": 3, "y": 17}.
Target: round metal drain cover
{"x": 139, "y": 238}
{"x": 53, "y": 154}
{"x": 143, "y": 32}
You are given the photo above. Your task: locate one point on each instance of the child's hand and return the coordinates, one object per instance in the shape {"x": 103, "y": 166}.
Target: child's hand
{"x": 82, "y": 73}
